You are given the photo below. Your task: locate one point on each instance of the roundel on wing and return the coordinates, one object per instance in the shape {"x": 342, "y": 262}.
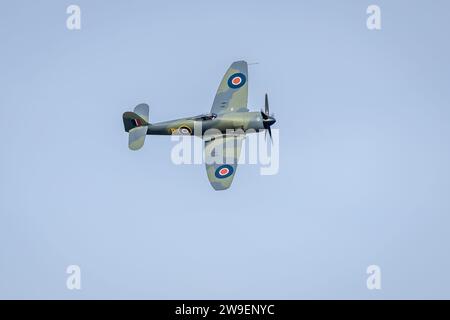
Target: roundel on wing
{"x": 236, "y": 80}
{"x": 224, "y": 171}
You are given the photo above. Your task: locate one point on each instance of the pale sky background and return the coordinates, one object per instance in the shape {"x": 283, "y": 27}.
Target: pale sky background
{"x": 364, "y": 151}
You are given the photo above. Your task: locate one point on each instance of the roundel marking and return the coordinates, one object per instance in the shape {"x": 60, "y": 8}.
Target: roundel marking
{"x": 224, "y": 171}
{"x": 236, "y": 80}
{"x": 185, "y": 130}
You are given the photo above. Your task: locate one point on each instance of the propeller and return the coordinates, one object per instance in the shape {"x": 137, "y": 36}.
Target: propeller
{"x": 267, "y": 119}
{"x": 266, "y": 104}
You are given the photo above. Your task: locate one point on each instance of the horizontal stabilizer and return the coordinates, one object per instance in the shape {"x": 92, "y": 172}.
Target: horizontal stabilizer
{"x": 142, "y": 111}
{"x": 136, "y": 138}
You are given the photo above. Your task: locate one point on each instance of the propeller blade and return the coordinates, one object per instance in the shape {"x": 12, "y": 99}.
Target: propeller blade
{"x": 270, "y": 134}
{"x": 264, "y": 115}
{"x": 266, "y": 105}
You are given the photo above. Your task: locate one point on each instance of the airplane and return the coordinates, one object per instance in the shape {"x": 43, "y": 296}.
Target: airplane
{"x": 229, "y": 112}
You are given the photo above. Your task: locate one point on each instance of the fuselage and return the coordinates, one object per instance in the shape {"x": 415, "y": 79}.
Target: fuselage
{"x": 204, "y": 124}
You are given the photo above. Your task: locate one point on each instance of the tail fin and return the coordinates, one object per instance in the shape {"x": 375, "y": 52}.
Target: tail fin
{"x": 136, "y": 124}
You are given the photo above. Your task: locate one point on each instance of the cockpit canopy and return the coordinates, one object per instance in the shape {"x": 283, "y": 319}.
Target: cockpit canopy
{"x": 205, "y": 117}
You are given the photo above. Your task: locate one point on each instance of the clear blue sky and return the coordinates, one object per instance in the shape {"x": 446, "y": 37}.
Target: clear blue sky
{"x": 364, "y": 151}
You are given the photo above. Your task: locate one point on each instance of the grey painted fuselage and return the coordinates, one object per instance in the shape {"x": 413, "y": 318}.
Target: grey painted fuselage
{"x": 190, "y": 126}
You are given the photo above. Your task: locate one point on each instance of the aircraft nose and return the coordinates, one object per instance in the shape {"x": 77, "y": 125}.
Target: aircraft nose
{"x": 270, "y": 121}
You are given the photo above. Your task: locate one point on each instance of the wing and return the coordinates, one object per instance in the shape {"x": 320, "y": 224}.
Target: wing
{"x": 221, "y": 157}
{"x": 233, "y": 90}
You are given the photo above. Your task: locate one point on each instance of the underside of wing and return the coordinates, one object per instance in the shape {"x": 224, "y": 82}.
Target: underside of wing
{"x": 221, "y": 157}
{"x": 232, "y": 93}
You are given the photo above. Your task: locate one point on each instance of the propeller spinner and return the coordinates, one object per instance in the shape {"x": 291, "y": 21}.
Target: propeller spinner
{"x": 268, "y": 120}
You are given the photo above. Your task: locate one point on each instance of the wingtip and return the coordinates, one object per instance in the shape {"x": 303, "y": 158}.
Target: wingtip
{"x": 240, "y": 62}
{"x": 219, "y": 187}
